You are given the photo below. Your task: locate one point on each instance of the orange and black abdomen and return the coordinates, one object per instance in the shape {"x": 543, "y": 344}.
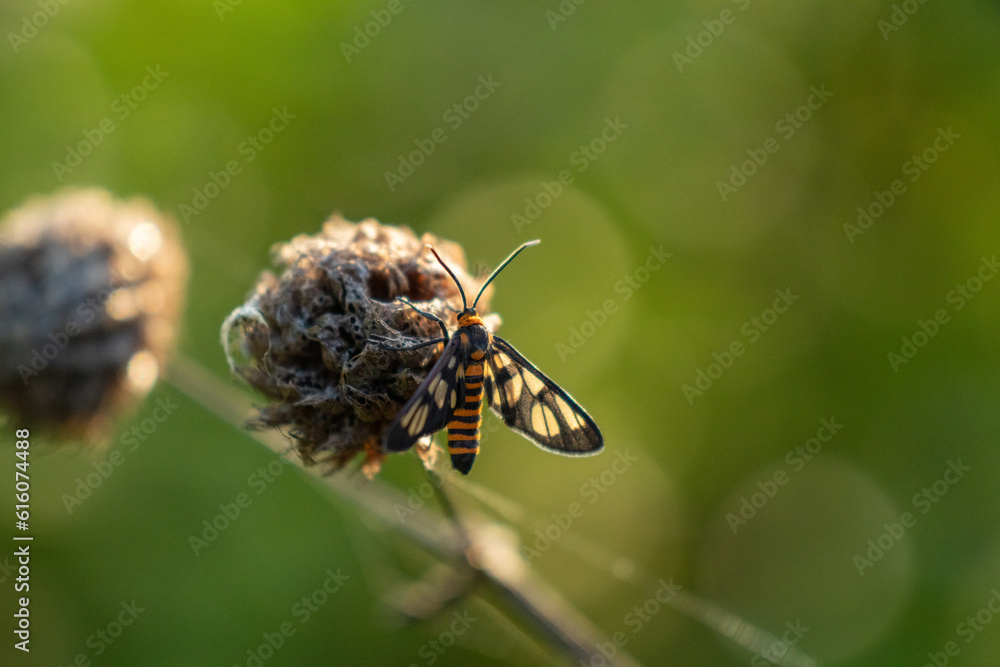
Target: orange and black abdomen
{"x": 463, "y": 428}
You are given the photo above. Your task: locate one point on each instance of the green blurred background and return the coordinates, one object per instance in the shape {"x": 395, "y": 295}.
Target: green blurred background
{"x": 682, "y": 92}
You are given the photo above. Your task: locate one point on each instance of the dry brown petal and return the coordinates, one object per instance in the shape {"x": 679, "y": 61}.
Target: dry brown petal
{"x": 302, "y": 338}
{"x": 92, "y": 293}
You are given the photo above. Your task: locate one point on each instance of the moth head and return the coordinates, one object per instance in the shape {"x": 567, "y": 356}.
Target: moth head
{"x": 468, "y": 311}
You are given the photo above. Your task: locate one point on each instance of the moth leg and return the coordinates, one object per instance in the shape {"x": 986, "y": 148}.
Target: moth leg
{"x": 388, "y": 344}
{"x": 430, "y": 316}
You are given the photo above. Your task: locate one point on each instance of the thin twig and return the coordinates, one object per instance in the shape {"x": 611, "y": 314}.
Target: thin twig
{"x": 491, "y": 549}
{"x": 755, "y": 639}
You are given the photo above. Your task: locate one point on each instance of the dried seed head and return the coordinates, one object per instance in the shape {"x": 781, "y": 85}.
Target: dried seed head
{"x": 92, "y": 292}
{"x": 302, "y": 339}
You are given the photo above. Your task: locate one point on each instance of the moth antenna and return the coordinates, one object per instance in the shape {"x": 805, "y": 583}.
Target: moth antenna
{"x": 457, "y": 283}
{"x": 497, "y": 270}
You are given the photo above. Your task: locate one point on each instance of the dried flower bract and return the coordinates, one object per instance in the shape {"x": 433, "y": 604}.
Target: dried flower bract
{"x": 302, "y": 338}
{"x": 92, "y": 292}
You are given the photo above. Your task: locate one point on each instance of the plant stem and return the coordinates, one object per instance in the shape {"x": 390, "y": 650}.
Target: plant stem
{"x": 485, "y": 546}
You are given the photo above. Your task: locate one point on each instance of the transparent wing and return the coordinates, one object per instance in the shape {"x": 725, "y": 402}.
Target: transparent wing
{"x": 536, "y": 407}
{"x": 428, "y": 409}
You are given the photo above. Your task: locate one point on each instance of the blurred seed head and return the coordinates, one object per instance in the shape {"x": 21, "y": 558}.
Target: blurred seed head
{"x": 92, "y": 290}
{"x": 302, "y": 338}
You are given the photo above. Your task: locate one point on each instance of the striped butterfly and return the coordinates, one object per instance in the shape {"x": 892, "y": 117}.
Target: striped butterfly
{"x": 475, "y": 365}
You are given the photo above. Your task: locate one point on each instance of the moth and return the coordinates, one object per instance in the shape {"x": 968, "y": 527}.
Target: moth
{"x": 477, "y": 367}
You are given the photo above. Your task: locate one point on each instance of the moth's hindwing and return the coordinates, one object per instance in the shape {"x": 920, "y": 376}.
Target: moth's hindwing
{"x": 536, "y": 407}
{"x": 429, "y": 408}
